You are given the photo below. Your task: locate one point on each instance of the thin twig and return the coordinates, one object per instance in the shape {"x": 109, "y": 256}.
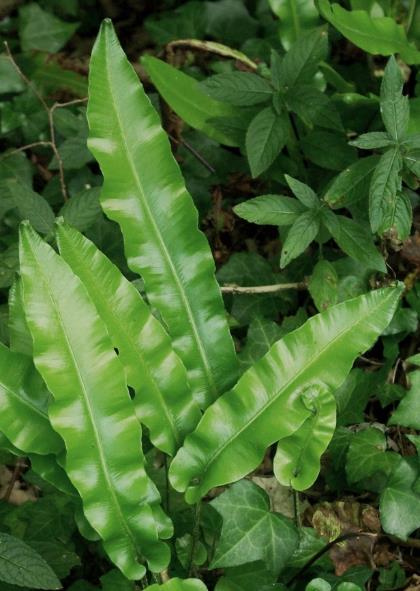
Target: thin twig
{"x": 25, "y": 78}
{"x": 194, "y": 152}
{"x": 239, "y": 289}
{"x": 23, "y": 148}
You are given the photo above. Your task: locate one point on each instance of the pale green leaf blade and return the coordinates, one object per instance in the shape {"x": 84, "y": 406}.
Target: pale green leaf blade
{"x": 23, "y": 398}
{"x": 20, "y": 339}
{"x": 92, "y": 410}
{"x": 265, "y": 137}
{"x": 297, "y": 459}
{"x": 265, "y": 405}
{"x": 184, "y": 95}
{"x": 21, "y": 565}
{"x": 295, "y": 18}
{"x": 163, "y": 400}
{"x": 384, "y": 187}
{"x": 375, "y": 35}
{"x": 251, "y": 531}
{"x": 304, "y": 230}
{"x": 276, "y": 210}
{"x": 145, "y": 193}
{"x": 179, "y": 585}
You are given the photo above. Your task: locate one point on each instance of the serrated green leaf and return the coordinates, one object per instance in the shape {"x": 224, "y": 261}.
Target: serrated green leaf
{"x": 74, "y": 154}
{"x": 265, "y": 138}
{"x": 399, "y": 503}
{"x": 395, "y": 110}
{"x": 355, "y": 240}
{"x": 372, "y": 140}
{"x": 303, "y": 192}
{"x": 31, "y": 206}
{"x": 239, "y": 89}
{"x": 21, "y": 565}
{"x": 83, "y": 209}
{"x": 375, "y": 35}
{"x": 352, "y": 184}
{"x": 323, "y": 285}
{"x": 184, "y": 95}
{"x": 275, "y": 210}
{"x": 328, "y": 150}
{"x": 75, "y": 356}
{"x": 295, "y": 18}
{"x": 41, "y": 30}
{"x": 142, "y": 180}
{"x": 163, "y": 400}
{"x": 265, "y": 405}
{"x": 313, "y": 107}
{"x": 300, "y": 63}
{"x": 297, "y": 459}
{"x": 384, "y": 188}
{"x": 251, "y": 531}
{"x": 304, "y": 230}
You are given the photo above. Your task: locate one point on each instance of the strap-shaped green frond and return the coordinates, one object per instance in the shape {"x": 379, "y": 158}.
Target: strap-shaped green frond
{"x": 92, "y": 410}
{"x": 145, "y": 193}
{"x": 267, "y": 403}
{"x": 163, "y": 399}
{"x": 23, "y": 402}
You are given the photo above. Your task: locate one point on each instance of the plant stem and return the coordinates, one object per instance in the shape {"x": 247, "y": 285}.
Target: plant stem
{"x": 239, "y": 289}
{"x": 194, "y": 538}
{"x": 298, "y": 521}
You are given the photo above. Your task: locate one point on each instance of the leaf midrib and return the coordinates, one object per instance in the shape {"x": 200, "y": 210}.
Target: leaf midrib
{"x": 164, "y": 250}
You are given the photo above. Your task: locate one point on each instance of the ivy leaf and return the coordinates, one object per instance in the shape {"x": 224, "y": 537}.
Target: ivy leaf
{"x": 247, "y": 577}
{"x": 21, "y": 565}
{"x": 367, "y": 456}
{"x": 303, "y": 192}
{"x": 295, "y": 18}
{"x": 372, "y": 140}
{"x": 42, "y": 30}
{"x": 408, "y": 411}
{"x": 323, "y": 285}
{"x": 395, "y": 110}
{"x": 275, "y": 210}
{"x": 301, "y": 234}
{"x": 385, "y": 184}
{"x": 352, "y": 184}
{"x": 355, "y": 240}
{"x": 399, "y": 503}
{"x": 240, "y": 89}
{"x": 297, "y": 459}
{"x": 265, "y": 138}
{"x": 245, "y": 509}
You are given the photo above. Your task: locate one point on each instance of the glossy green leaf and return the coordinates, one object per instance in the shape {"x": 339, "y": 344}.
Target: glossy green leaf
{"x": 23, "y": 399}
{"x": 41, "y": 30}
{"x": 163, "y": 400}
{"x": 184, "y": 95}
{"x": 48, "y": 468}
{"x": 276, "y": 210}
{"x": 239, "y": 89}
{"x": 297, "y": 459}
{"x": 145, "y": 193}
{"x": 408, "y": 411}
{"x": 266, "y": 136}
{"x": 251, "y": 531}
{"x": 266, "y": 405}
{"x": 400, "y": 503}
{"x": 92, "y": 410}
{"x": 179, "y": 585}
{"x": 375, "y": 35}
{"x": 384, "y": 187}
{"x": 304, "y": 230}
{"x": 318, "y": 585}
{"x": 352, "y": 184}
{"x": 19, "y": 336}
{"x": 323, "y": 285}
{"x": 21, "y": 565}
{"x": 295, "y": 18}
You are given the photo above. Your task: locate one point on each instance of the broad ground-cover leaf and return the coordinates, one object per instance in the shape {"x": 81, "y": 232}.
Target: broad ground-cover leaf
{"x": 23, "y": 400}
{"x": 297, "y": 459}
{"x": 184, "y": 95}
{"x": 145, "y": 193}
{"x": 163, "y": 399}
{"x": 400, "y": 503}
{"x": 375, "y": 35}
{"x": 21, "y": 565}
{"x": 180, "y": 585}
{"x": 92, "y": 410}
{"x": 266, "y": 404}
{"x": 251, "y": 531}
{"x": 253, "y": 576}
{"x": 408, "y": 411}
